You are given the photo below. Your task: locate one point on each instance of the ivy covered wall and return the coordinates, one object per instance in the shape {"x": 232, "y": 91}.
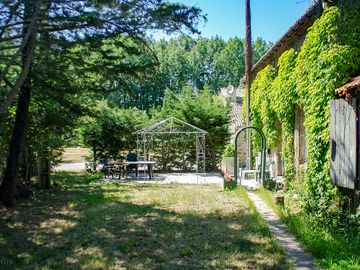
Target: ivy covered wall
{"x": 329, "y": 56}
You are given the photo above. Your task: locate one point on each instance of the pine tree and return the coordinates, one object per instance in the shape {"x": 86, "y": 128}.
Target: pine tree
{"x": 63, "y": 23}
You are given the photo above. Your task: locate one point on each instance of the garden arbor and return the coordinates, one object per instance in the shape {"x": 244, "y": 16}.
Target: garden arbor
{"x": 171, "y": 126}
{"x": 263, "y": 153}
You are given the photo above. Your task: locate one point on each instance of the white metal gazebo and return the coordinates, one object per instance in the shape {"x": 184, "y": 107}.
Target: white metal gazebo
{"x": 172, "y": 126}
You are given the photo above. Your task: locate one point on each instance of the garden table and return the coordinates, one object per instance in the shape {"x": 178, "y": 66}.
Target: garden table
{"x": 150, "y": 164}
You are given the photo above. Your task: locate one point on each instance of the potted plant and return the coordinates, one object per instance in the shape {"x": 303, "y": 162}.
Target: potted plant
{"x": 229, "y": 182}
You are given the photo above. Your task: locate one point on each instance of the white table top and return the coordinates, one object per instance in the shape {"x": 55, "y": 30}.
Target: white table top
{"x": 150, "y": 162}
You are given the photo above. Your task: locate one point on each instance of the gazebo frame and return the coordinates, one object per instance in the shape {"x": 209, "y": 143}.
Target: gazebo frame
{"x": 171, "y": 126}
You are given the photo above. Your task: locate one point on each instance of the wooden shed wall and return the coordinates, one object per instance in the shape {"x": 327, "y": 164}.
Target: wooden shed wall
{"x": 343, "y": 143}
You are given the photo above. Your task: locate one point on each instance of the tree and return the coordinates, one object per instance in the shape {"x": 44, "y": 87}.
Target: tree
{"x": 205, "y": 110}
{"x": 259, "y": 48}
{"x": 202, "y": 63}
{"x": 230, "y": 63}
{"x": 63, "y": 24}
{"x": 185, "y": 60}
{"x": 109, "y": 132}
{"x": 247, "y": 81}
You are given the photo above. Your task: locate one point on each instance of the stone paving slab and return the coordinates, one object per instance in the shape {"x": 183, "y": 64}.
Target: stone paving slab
{"x": 172, "y": 178}
{"x": 292, "y": 248}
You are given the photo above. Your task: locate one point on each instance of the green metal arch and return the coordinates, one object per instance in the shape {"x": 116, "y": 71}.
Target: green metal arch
{"x": 263, "y": 153}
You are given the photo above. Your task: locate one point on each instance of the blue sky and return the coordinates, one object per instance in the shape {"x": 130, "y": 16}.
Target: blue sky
{"x": 270, "y": 18}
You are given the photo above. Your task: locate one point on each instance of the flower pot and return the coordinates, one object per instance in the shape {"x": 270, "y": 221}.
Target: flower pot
{"x": 229, "y": 185}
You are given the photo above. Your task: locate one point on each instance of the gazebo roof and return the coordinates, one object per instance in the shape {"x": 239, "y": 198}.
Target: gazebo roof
{"x": 171, "y": 125}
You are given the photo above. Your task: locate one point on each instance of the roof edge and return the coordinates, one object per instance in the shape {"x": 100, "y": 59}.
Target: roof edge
{"x": 149, "y": 129}
{"x": 305, "y": 17}
{"x": 347, "y": 90}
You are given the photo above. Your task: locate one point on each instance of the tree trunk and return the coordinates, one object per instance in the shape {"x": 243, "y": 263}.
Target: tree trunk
{"x": 44, "y": 170}
{"x": 28, "y": 37}
{"x": 7, "y": 188}
{"x": 17, "y": 141}
{"x": 248, "y": 67}
{"x": 94, "y": 158}
{"x": 25, "y": 167}
{"x": 214, "y": 161}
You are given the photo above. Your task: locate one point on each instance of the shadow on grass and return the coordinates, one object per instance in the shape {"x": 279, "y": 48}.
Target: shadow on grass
{"x": 101, "y": 227}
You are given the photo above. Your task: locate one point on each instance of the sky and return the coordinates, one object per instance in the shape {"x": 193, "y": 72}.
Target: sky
{"x": 270, "y": 18}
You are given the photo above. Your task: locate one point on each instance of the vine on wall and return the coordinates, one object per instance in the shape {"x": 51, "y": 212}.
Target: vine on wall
{"x": 262, "y": 113}
{"x": 329, "y": 56}
{"x": 283, "y": 100}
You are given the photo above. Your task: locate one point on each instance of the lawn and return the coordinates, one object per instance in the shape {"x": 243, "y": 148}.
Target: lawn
{"x": 81, "y": 224}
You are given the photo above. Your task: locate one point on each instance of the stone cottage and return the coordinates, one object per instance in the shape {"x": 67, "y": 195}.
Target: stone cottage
{"x": 292, "y": 89}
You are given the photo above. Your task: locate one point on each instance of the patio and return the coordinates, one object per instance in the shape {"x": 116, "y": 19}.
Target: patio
{"x": 179, "y": 178}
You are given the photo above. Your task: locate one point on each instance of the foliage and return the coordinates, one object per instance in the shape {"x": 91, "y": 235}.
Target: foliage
{"x": 204, "y": 110}
{"x": 229, "y": 63}
{"x": 201, "y": 59}
{"x": 262, "y": 113}
{"x": 110, "y": 130}
{"x": 326, "y": 61}
{"x": 183, "y": 61}
{"x": 65, "y": 23}
{"x": 329, "y": 56}
{"x": 208, "y": 112}
{"x": 283, "y": 98}
{"x": 229, "y": 150}
{"x": 5, "y": 132}
{"x": 95, "y": 41}
{"x": 260, "y": 47}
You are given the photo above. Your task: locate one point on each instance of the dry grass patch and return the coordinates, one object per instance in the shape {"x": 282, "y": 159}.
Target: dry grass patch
{"x": 75, "y": 154}
{"x": 86, "y": 225}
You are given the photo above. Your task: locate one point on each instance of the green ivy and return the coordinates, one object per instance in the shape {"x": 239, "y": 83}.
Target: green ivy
{"x": 327, "y": 59}
{"x": 329, "y": 56}
{"x": 283, "y": 100}
{"x": 262, "y": 113}
{"x": 273, "y": 100}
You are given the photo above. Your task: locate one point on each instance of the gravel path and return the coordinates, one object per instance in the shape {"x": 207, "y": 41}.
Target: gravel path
{"x": 70, "y": 166}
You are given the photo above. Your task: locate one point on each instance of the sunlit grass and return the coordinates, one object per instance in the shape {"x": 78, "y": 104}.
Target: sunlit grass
{"x": 332, "y": 248}
{"x": 83, "y": 224}
{"x": 75, "y": 154}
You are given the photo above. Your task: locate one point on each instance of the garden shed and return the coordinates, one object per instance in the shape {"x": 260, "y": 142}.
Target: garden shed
{"x": 345, "y": 136}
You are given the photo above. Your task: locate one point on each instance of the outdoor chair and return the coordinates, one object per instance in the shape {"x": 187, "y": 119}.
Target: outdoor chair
{"x": 112, "y": 168}
{"x": 131, "y": 168}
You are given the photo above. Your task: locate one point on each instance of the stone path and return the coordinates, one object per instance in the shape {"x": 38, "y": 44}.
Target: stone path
{"x": 292, "y": 248}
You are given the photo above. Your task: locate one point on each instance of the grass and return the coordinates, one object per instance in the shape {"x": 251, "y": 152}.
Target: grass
{"x": 75, "y": 154}
{"x": 334, "y": 249}
{"x": 82, "y": 224}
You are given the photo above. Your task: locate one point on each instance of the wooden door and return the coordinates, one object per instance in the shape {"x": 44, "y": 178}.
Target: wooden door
{"x": 343, "y": 143}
